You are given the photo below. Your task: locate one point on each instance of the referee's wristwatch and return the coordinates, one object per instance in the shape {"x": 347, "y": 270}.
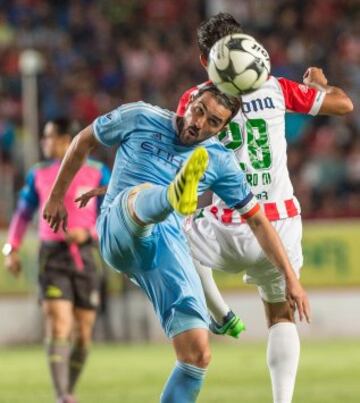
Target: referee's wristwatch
{"x": 7, "y": 249}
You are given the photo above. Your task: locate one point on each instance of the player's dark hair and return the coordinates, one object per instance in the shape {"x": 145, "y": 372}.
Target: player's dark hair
{"x": 64, "y": 126}
{"x": 233, "y": 104}
{"x": 215, "y": 28}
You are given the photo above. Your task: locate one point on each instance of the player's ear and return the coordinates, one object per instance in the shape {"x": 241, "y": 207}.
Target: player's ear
{"x": 203, "y": 61}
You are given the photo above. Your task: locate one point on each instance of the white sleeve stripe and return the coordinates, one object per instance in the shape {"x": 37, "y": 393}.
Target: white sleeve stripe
{"x": 318, "y": 101}
{"x": 250, "y": 205}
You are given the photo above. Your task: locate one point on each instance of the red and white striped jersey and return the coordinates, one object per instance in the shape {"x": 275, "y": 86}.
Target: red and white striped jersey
{"x": 257, "y": 136}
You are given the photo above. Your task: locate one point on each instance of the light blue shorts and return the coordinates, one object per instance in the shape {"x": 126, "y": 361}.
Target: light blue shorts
{"x": 159, "y": 262}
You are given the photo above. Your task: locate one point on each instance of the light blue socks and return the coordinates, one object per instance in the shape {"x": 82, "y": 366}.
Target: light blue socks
{"x": 184, "y": 384}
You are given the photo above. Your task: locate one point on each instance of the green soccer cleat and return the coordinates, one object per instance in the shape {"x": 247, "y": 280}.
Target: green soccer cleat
{"x": 232, "y": 326}
{"x": 182, "y": 192}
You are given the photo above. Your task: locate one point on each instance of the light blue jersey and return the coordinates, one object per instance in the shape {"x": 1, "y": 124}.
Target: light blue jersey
{"x": 149, "y": 151}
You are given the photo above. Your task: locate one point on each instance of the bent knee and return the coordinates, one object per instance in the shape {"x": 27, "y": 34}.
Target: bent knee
{"x": 204, "y": 359}
{"x": 199, "y": 358}
{"x": 131, "y": 202}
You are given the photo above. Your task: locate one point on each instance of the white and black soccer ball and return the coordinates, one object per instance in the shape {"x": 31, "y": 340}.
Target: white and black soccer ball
{"x": 238, "y": 64}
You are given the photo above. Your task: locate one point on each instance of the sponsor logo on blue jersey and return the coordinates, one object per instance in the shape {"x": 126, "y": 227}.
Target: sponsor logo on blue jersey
{"x": 162, "y": 153}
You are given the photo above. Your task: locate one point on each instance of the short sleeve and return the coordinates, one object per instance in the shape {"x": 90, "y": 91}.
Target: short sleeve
{"x": 111, "y": 129}
{"x": 301, "y": 98}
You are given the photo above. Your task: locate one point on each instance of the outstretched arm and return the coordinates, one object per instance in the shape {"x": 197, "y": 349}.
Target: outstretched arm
{"x": 84, "y": 199}
{"x": 54, "y": 211}
{"x": 336, "y": 101}
{"x": 271, "y": 244}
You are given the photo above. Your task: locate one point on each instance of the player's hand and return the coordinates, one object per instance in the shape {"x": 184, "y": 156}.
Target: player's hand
{"x": 298, "y": 299}
{"x": 315, "y": 77}
{"x": 55, "y": 214}
{"x": 12, "y": 263}
{"x": 77, "y": 235}
{"x": 84, "y": 199}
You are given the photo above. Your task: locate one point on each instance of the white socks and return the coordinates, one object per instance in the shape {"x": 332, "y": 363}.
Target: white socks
{"x": 214, "y": 299}
{"x": 283, "y": 354}
{"x": 283, "y": 350}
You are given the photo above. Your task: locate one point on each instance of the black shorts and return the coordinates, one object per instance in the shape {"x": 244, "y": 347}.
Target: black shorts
{"x": 59, "y": 278}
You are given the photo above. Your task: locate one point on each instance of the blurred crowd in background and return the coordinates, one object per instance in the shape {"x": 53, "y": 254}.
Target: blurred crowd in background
{"x": 99, "y": 54}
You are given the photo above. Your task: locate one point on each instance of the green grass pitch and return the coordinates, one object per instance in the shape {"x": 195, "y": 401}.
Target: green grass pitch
{"x": 329, "y": 372}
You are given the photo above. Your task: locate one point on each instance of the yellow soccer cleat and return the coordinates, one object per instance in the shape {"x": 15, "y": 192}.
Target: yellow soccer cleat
{"x": 182, "y": 192}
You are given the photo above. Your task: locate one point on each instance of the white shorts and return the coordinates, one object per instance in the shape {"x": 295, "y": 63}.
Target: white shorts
{"x": 234, "y": 248}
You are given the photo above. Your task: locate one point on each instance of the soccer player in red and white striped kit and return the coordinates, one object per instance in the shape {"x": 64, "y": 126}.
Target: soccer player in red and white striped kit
{"x": 219, "y": 238}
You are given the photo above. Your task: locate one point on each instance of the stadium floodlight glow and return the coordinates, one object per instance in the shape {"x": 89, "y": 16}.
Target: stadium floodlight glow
{"x": 31, "y": 62}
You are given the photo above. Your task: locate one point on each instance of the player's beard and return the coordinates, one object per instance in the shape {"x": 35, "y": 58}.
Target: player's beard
{"x": 187, "y": 136}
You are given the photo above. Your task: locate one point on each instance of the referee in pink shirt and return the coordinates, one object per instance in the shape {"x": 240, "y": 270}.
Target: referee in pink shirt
{"x": 69, "y": 279}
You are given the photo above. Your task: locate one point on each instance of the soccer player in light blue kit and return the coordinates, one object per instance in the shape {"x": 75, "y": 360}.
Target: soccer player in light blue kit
{"x": 158, "y": 173}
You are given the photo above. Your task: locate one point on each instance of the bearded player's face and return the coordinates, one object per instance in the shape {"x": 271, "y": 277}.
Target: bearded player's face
{"x": 204, "y": 118}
